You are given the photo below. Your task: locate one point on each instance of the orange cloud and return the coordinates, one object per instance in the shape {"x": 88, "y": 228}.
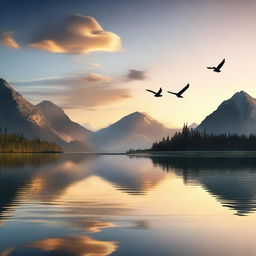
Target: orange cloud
{"x": 80, "y": 91}
{"x": 95, "y": 77}
{"x": 96, "y": 226}
{"x": 76, "y": 246}
{"x": 7, "y": 40}
{"x": 7, "y": 252}
{"x": 77, "y": 34}
{"x": 86, "y": 95}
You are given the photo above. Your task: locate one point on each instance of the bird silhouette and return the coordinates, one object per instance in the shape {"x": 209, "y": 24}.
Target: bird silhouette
{"x": 217, "y": 69}
{"x": 179, "y": 94}
{"x": 157, "y": 94}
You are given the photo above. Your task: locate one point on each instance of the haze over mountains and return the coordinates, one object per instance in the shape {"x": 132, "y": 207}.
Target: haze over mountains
{"x": 48, "y": 121}
{"x": 136, "y": 130}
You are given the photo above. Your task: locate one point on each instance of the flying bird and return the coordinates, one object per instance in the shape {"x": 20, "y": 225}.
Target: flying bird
{"x": 179, "y": 94}
{"x": 217, "y": 69}
{"x": 157, "y": 94}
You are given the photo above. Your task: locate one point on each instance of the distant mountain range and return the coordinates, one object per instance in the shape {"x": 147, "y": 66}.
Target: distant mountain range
{"x": 235, "y": 115}
{"x": 136, "y": 130}
{"x": 48, "y": 121}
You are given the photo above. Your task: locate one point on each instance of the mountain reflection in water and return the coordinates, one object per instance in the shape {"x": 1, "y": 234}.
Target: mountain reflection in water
{"x": 78, "y": 204}
{"x": 232, "y": 180}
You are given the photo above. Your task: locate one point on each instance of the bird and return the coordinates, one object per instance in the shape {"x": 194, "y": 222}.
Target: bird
{"x": 157, "y": 94}
{"x": 217, "y": 69}
{"x": 179, "y": 94}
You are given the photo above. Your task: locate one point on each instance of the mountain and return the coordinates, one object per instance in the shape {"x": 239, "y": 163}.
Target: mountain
{"x": 235, "y": 115}
{"x": 136, "y": 130}
{"x": 57, "y": 118}
{"x": 48, "y": 121}
{"x": 18, "y": 115}
{"x": 193, "y": 126}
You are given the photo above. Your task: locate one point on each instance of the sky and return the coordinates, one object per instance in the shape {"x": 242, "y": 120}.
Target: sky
{"x": 96, "y": 58}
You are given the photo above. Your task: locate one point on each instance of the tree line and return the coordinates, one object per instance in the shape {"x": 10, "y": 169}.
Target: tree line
{"x": 16, "y": 143}
{"x": 194, "y": 140}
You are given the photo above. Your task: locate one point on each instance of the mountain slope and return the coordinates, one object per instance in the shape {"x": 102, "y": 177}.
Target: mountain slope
{"x": 46, "y": 120}
{"x": 57, "y": 118}
{"x": 18, "y": 115}
{"x": 235, "y": 115}
{"x": 137, "y": 130}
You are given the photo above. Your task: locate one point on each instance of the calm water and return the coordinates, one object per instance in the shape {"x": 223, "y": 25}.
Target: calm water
{"x": 85, "y": 205}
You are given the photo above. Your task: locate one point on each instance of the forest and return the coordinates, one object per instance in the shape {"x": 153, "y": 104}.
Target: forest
{"x": 194, "y": 140}
{"x": 13, "y": 143}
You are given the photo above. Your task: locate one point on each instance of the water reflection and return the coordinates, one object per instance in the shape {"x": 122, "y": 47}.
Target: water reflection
{"x": 232, "y": 180}
{"x": 68, "y": 246}
{"x": 75, "y": 204}
{"x": 16, "y": 171}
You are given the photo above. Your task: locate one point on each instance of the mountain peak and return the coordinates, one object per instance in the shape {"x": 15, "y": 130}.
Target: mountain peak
{"x": 242, "y": 97}
{"x": 15, "y": 101}
{"x": 135, "y": 130}
{"x": 235, "y": 115}
{"x": 57, "y": 118}
{"x": 47, "y": 103}
{"x": 241, "y": 94}
{"x": 3, "y": 82}
{"x": 138, "y": 114}
{"x": 193, "y": 125}
{"x": 5, "y": 86}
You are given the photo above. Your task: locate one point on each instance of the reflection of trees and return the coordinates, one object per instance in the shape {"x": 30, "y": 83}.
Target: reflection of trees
{"x": 232, "y": 180}
{"x": 19, "y": 160}
{"x": 195, "y": 164}
{"x": 16, "y": 171}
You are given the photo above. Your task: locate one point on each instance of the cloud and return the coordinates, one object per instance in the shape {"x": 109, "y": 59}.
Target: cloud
{"x": 7, "y": 251}
{"x": 75, "y": 246}
{"x": 76, "y": 34}
{"x": 88, "y": 62}
{"x": 92, "y": 95}
{"x": 95, "y": 77}
{"x": 76, "y": 90}
{"x": 136, "y": 75}
{"x": 6, "y": 39}
{"x": 97, "y": 226}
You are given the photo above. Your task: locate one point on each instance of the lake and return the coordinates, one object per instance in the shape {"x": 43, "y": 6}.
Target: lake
{"x": 96, "y": 205}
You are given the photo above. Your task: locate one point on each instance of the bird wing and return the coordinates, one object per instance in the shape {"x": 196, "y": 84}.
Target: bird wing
{"x": 211, "y": 67}
{"x": 221, "y": 64}
{"x": 150, "y": 91}
{"x": 160, "y": 90}
{"x": 183, "y": 90}
{"x": 172, "y": 92}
